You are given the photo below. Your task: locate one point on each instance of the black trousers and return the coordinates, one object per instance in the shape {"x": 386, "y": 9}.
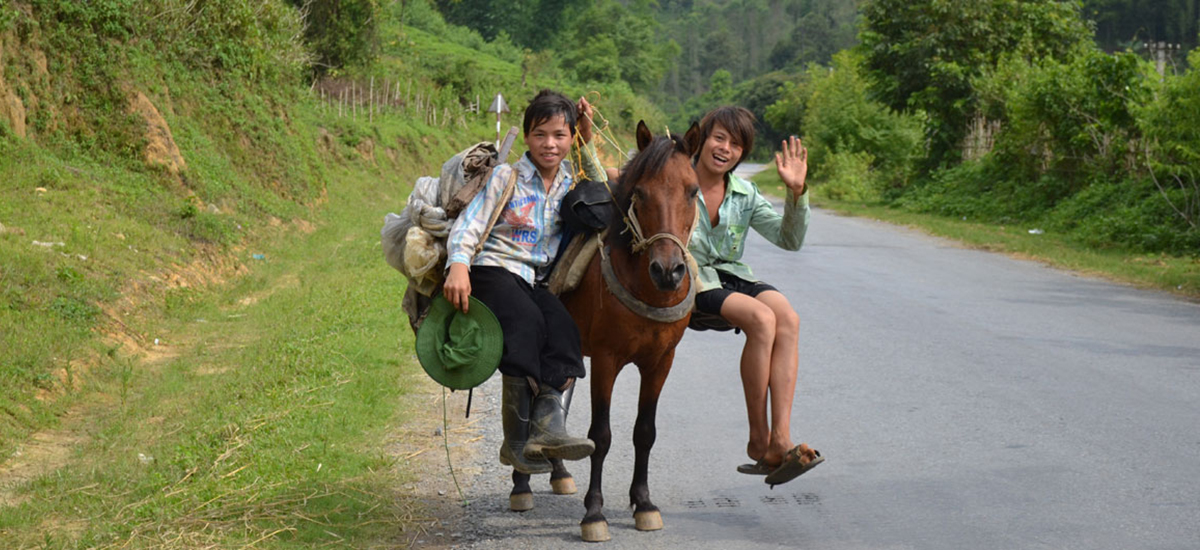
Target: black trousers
{"x": 540, "y": 338}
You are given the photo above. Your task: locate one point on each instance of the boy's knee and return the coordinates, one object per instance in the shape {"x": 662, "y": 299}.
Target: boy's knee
{"x": 761, "y": 321}
{"x": 787, "y": 322}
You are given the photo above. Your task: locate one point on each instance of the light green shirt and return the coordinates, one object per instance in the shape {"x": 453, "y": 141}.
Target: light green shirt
{"x": 720, "y": 248}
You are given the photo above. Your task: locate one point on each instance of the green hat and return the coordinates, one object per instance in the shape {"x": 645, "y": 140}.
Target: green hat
{"x": 459, "y": 350}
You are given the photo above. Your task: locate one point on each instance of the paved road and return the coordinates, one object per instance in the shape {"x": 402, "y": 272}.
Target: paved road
{"x": 962, "y": 399}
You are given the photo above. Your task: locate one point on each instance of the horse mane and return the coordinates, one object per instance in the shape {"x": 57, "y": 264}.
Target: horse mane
{"x": 652, "y": 159}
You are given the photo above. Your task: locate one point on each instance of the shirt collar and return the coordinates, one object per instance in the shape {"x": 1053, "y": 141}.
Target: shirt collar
{"x": 738, "y": 185}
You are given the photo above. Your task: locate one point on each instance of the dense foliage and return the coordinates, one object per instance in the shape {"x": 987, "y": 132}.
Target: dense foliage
{"x": 861, "y": 149}
{"x": 924, "y": 56}
{"x": 340, "y": 32}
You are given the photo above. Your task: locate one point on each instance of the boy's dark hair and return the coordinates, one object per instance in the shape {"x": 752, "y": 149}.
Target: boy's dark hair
{"x": 738, "y": 121}
{"x": 546, "y": 105}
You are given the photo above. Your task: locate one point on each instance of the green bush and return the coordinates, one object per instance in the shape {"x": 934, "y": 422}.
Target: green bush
{"x": 1171, "y": 154}
{"x": 966, "y": 190}
{"x": 341, "y": 32}
{"x": 838, "y": 116}
{"x": 1072, "y": 120}
{"x": 1129, "y": 214}
{"x": 848, "y": 176}
{"x": 259, "y": 38}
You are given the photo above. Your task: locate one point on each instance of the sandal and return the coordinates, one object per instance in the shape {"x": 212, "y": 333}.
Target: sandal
{"x": 798, "y": 460}
{"x": 759, "y": 468}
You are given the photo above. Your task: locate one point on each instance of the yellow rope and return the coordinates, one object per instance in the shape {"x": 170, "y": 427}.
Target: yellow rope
{"x": 605, "y": 131}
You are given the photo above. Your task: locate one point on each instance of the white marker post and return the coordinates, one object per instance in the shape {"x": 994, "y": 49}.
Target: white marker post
{"x": 498, "y": 107}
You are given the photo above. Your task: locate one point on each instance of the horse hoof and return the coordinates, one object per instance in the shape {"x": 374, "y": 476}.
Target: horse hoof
{"x": 595, "y": 531}
{"x": 522, "y": 502}
{"x": 563, "y": 486}
{"x": 648, "y": 521}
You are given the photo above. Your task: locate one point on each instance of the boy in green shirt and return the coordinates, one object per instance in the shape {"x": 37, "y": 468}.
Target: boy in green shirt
{"x": 729, "y": 207}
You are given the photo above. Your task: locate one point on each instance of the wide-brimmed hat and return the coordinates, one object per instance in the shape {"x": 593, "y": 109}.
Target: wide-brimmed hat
{"x": 459, "y": 350}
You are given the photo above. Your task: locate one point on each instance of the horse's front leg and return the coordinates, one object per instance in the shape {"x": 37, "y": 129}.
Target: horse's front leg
{"x": 594, "y": 527}
{"x": 646, "y": 516}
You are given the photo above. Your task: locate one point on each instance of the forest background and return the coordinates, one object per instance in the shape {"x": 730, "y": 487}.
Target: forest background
{"x": 1075, "y": 117}
{"x": 190, "y": 195}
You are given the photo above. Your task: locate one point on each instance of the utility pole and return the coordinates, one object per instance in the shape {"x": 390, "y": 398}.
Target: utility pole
{"x": 1159, "y": 51}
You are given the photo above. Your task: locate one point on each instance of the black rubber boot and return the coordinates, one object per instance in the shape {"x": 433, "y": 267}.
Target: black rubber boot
{"x": 514, "y": 406}
{"x": 548, "y": 436}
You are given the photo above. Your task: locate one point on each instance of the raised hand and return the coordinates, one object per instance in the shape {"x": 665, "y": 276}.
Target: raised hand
{"x": 792, "y": 164}
{"x": 583, "y": 120}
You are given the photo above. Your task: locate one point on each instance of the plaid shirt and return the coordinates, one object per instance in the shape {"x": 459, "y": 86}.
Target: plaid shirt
{"x": 526, "y": 237}
{"x": 720, "y": 248}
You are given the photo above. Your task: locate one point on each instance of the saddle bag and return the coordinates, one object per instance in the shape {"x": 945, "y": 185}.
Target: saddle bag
{"x": 588, "y": 207}
{"x": 414, "y": 241}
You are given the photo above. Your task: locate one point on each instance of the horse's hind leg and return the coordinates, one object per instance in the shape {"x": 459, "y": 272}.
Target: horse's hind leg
{"x": 561, "y": 481}
{"x": 646, "y": 516}
{"x": 521, "y": 497}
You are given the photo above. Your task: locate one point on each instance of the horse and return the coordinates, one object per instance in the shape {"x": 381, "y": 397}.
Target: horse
{"x": 633, "y": 305}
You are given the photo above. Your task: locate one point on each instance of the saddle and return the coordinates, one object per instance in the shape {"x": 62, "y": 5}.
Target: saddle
{"x": 709, "y": 321}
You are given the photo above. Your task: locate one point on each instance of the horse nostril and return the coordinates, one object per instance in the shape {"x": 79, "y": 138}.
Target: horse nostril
{"x": 656, "y": 270}
{"x": 678, "y": 274}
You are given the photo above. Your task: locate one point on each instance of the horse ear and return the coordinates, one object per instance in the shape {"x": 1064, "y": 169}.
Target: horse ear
{"x": 692, "y": 139}
{"x": 644, "y": 137}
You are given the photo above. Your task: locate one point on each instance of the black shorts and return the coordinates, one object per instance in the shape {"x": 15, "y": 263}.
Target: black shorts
{"x": 710, "y": 301}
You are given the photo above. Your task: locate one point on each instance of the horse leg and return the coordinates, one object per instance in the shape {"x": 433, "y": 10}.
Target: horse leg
{"x": 521, "y": 497}
{"x": 561, "y": 481}
{"x": 594, "y": 527}
{"x": 646, "y": 516}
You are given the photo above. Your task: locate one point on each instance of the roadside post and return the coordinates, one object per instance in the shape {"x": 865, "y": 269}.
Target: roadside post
{"x": 499, "y": 106}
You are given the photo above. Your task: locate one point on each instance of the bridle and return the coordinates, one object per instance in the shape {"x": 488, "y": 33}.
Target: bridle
{"x": 668, "y": 314}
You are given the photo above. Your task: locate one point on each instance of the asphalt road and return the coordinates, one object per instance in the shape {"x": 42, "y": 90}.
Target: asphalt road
{"x": 962, "y": 399}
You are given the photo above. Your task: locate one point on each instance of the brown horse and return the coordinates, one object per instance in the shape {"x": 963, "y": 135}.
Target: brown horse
{"x": 632, "y": 306}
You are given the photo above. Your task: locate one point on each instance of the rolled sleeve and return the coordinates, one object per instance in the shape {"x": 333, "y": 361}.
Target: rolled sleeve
{"x": 786, "y": 231}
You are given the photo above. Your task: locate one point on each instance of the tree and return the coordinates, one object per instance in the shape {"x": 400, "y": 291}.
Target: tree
{"x": 340, "y": 32}
{"x": 823, "y": 27}
{"x": 924, "y": 55}
{"x": 608, "y": 42}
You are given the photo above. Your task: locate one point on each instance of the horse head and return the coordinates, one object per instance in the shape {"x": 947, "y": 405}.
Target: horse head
{"x": 658, "y": 198}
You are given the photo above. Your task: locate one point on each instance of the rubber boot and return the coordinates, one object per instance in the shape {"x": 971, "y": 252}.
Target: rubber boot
{"x": 548, "y": 437}
{"x": 515, "y": 403}
{"x": 561, "y": 481}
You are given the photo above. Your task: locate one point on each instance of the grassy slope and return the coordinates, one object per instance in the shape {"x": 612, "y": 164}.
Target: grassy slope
{"x": 260, "y": 410}
{"x": 1180, "y": 276}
